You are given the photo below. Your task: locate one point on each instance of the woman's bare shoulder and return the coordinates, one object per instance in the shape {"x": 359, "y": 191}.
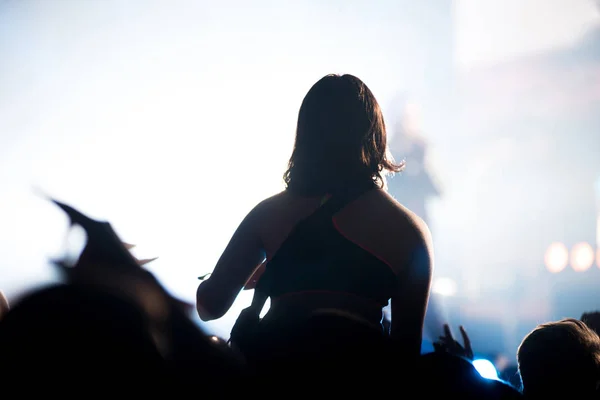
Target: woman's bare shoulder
{"x": 274, "y": 217}
{"x": 379, "y": 222}
{"x": 407, "y": 231}
{"x": 273, "y": 203}
{"x": 385, "y": 211}
{"x": 414, "y": 222}
{"x": 281, "y": 209}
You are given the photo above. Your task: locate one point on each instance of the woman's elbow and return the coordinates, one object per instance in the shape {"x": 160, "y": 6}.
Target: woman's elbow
{"x": 204, "y": 314}
{"x": 206, "y": 306}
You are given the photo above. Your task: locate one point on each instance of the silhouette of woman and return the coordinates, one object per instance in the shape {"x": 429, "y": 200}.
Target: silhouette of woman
{"x": 333, "y": 239}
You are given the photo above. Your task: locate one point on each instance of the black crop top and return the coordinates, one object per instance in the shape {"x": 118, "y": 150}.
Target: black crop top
{"x": 317, "y": 257}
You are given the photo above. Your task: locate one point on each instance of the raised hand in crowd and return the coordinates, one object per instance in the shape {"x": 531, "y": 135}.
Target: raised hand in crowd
{"x": 106, "y": 261}
{"x": 447, "y": 343}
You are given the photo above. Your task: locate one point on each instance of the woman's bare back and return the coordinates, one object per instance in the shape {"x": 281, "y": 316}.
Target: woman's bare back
{"x": 374, "y": 221}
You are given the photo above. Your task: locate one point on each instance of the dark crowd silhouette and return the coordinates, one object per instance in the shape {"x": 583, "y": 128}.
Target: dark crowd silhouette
{"x": 330, "y": 252}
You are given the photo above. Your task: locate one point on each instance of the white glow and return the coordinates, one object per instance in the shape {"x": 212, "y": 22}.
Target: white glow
{"x": 444, "y": 287}
{"x": 598, "y": 230}
{"x": 556, "y": 257}
{"x": 582, "y": 257}
{"x": 535, "y": 25}
{"x": 485, "y": 368}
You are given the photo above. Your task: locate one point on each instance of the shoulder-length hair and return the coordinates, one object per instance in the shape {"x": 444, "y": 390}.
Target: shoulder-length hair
{"x": 340, "y": 139}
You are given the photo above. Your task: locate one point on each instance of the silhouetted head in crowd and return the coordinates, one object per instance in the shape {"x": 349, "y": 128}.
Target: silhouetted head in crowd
{"x": 77, "y": 333}
{"x": 85, "y": 335}
{"x": 340, "y": 138}
{"x": 592, "y": 320}
{"x": 327, "y": 345}
{"x": 560, "y": 358}
{"x": 335, "y": 332}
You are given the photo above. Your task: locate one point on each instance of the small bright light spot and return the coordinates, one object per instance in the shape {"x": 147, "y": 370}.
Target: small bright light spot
{"x": 582, "y": 257}
{"x": 485, "y": 368}
{"x": 598, "y": 231}
{"x": 444, "y": 287}
{"x": 556, "y": 257}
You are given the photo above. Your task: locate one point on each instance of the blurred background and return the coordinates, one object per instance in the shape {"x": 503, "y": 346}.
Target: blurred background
{"x": 172, "y": 119}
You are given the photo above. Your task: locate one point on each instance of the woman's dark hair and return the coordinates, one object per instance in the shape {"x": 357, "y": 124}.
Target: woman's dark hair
{"x": 340, "y": 139}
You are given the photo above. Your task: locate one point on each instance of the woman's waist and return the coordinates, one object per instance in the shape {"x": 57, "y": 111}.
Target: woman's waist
{"x": 306, "y": 303}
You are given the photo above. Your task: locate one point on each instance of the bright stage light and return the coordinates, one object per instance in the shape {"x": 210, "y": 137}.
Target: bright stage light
{"x": 598, "y": 231}
{"x": 556, "y": 257}
{"x": 485, "y": 368}
{"x": 582, "y": 257}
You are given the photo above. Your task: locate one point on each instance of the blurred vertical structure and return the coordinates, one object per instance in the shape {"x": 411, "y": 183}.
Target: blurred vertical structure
{"x": 422, "y": 113}
{"x": 425, "y": 110}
